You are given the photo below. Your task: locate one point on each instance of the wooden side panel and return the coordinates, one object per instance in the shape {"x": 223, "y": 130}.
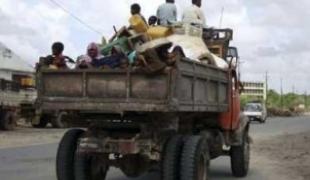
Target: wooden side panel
{"x": 105, "y": 85}
{"x": 62, "y": 85}
{"x": 149, "y": 87}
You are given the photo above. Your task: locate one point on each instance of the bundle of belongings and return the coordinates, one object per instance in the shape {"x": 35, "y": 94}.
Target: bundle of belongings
{"x": 146, "y": 48}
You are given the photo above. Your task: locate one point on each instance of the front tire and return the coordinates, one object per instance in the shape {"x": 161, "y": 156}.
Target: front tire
{"x": 66, "y": 155}
{"x": 8, "y": 121}
{"x": 195, "y": 159}
{"x": 240, "y": 157}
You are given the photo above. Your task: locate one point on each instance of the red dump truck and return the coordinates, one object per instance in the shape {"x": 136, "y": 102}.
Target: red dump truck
{"x": 179, "y": 119}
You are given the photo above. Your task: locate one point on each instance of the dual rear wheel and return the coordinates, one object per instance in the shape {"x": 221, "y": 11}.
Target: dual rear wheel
{"x": 185, "y": 158}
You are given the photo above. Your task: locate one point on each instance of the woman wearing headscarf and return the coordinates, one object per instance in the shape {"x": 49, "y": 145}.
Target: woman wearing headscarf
{"x": 94, "y": 53}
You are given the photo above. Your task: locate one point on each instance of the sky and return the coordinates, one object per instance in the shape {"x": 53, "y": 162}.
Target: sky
{"x": 272, "y": 36}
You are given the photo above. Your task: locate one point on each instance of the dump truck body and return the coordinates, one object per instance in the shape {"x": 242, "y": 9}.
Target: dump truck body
{"x": 191, "y": 87}
{"x": 179, "y": 118}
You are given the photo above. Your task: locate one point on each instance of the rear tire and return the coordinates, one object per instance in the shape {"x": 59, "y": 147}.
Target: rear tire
{"x": 195, "y": 159}
{"x": 8, "y": 121}
{"x": 240, "y": 157}
{"x": 66, "y": 155}
{"x": 44, "y": 120}
{"x": 171, "y": 158}
{"x": 134, "y": 166}
{"x": 90, "y": 168}
{"x": 59, "y": 122}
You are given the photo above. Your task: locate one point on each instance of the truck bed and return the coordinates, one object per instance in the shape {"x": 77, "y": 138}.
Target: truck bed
{"x": 190, "y": 87}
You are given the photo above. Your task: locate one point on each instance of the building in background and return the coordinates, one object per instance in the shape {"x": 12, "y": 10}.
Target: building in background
{"x": 12, "y": 67}
{"x": 255, "y": 91}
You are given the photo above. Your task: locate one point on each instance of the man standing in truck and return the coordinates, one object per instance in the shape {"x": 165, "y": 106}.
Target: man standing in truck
{"x": 194, "y": 14}
{"x": 167, "y": 13}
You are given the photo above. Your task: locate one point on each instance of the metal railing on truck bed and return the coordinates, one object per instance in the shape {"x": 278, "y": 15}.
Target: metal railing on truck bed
{"x": 188, "y": 87}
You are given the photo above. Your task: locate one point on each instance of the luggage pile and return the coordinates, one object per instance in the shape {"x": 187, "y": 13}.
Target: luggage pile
{"x": 141, "y": 47}
{"x": 152, "y": 49}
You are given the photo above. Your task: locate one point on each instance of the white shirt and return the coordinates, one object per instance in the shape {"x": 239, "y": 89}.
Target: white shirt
{"x": 167, "y": 12}
{"x": 194, "y": 14}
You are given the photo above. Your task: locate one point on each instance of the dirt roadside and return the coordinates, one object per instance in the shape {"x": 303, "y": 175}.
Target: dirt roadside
{"x": 289, "y": 155}
{"x": 280, "y": 157}
{"x": 24, "y": 135}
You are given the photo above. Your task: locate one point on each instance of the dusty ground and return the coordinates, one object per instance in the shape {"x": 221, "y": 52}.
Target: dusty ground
{"x": 288, "y": 154}
{"x": 281, "y": 157}
{"x": 24, "y": 135}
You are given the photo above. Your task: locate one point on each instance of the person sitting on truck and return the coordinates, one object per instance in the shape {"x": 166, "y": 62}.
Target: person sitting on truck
{"x": 115, "y": 60}
{"x": 135, "y": 9}
{"x": 167, "y": 13}
{"x": 194, "y": 14}
{"x": 137, "y": 21}
{"x": 94, "y": 54}
{"x": 57, "y": 60}
{"x": 153, "y": 21}
{"x": 83, "y": 62}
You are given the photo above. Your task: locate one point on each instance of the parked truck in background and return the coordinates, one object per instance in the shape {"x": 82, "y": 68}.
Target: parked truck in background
{"x": 13, "y": 95}
{"x": 180, "y": 118}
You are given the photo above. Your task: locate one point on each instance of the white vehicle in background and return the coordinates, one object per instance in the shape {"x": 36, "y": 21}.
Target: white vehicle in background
{"x": 255, "y": 111}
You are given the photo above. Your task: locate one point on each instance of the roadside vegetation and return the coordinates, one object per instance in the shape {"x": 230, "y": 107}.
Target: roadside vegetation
{"x": 289, "y": 104}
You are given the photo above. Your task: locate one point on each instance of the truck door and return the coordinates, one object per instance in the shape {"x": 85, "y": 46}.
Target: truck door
{"x": 230, "y": 119}
{"x": 235, "y": 101}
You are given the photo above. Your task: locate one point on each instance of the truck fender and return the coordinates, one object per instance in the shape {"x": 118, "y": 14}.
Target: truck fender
{"x": 244, "y": 126}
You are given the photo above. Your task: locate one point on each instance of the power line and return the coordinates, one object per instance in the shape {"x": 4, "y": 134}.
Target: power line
{"x": 75, "y": 17}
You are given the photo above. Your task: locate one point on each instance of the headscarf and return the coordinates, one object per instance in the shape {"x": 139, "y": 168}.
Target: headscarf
{"x": 96, "y": 47}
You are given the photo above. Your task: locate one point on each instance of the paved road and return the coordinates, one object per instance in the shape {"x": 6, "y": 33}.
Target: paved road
{"x": 38, "y": 162}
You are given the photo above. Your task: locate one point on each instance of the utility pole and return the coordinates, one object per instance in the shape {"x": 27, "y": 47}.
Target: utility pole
{"x": 266, "y": 84}
{"x": 281, "y": 94}
{"x": 306, "y": 100}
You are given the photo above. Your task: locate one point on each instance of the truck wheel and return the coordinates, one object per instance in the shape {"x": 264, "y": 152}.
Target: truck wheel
{"x": 171, "y": 157}
{"x": 90, "y": 168}
{"x": 195, "y": 159}
{"x": 44, "y": 120}
{"x": 240, "y": 158}
{"x": 134, "y": 166}
{"x": 8, "y": 121}
{"x": 59, "y": 122}
{"x": 66, "y": 155}
{"x": 262, "y": 121}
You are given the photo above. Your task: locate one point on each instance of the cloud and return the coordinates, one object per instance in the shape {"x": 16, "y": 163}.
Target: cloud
{"x": 271, "y": 35}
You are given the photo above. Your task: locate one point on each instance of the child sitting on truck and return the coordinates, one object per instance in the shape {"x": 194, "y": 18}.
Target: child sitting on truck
{"x": 57, "y": 60}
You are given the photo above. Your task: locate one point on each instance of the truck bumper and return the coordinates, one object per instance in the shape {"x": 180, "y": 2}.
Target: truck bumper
{"x": 115, "y": 146}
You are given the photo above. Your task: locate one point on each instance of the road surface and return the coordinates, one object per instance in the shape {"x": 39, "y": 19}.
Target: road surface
{"x": 38, "y": 162}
